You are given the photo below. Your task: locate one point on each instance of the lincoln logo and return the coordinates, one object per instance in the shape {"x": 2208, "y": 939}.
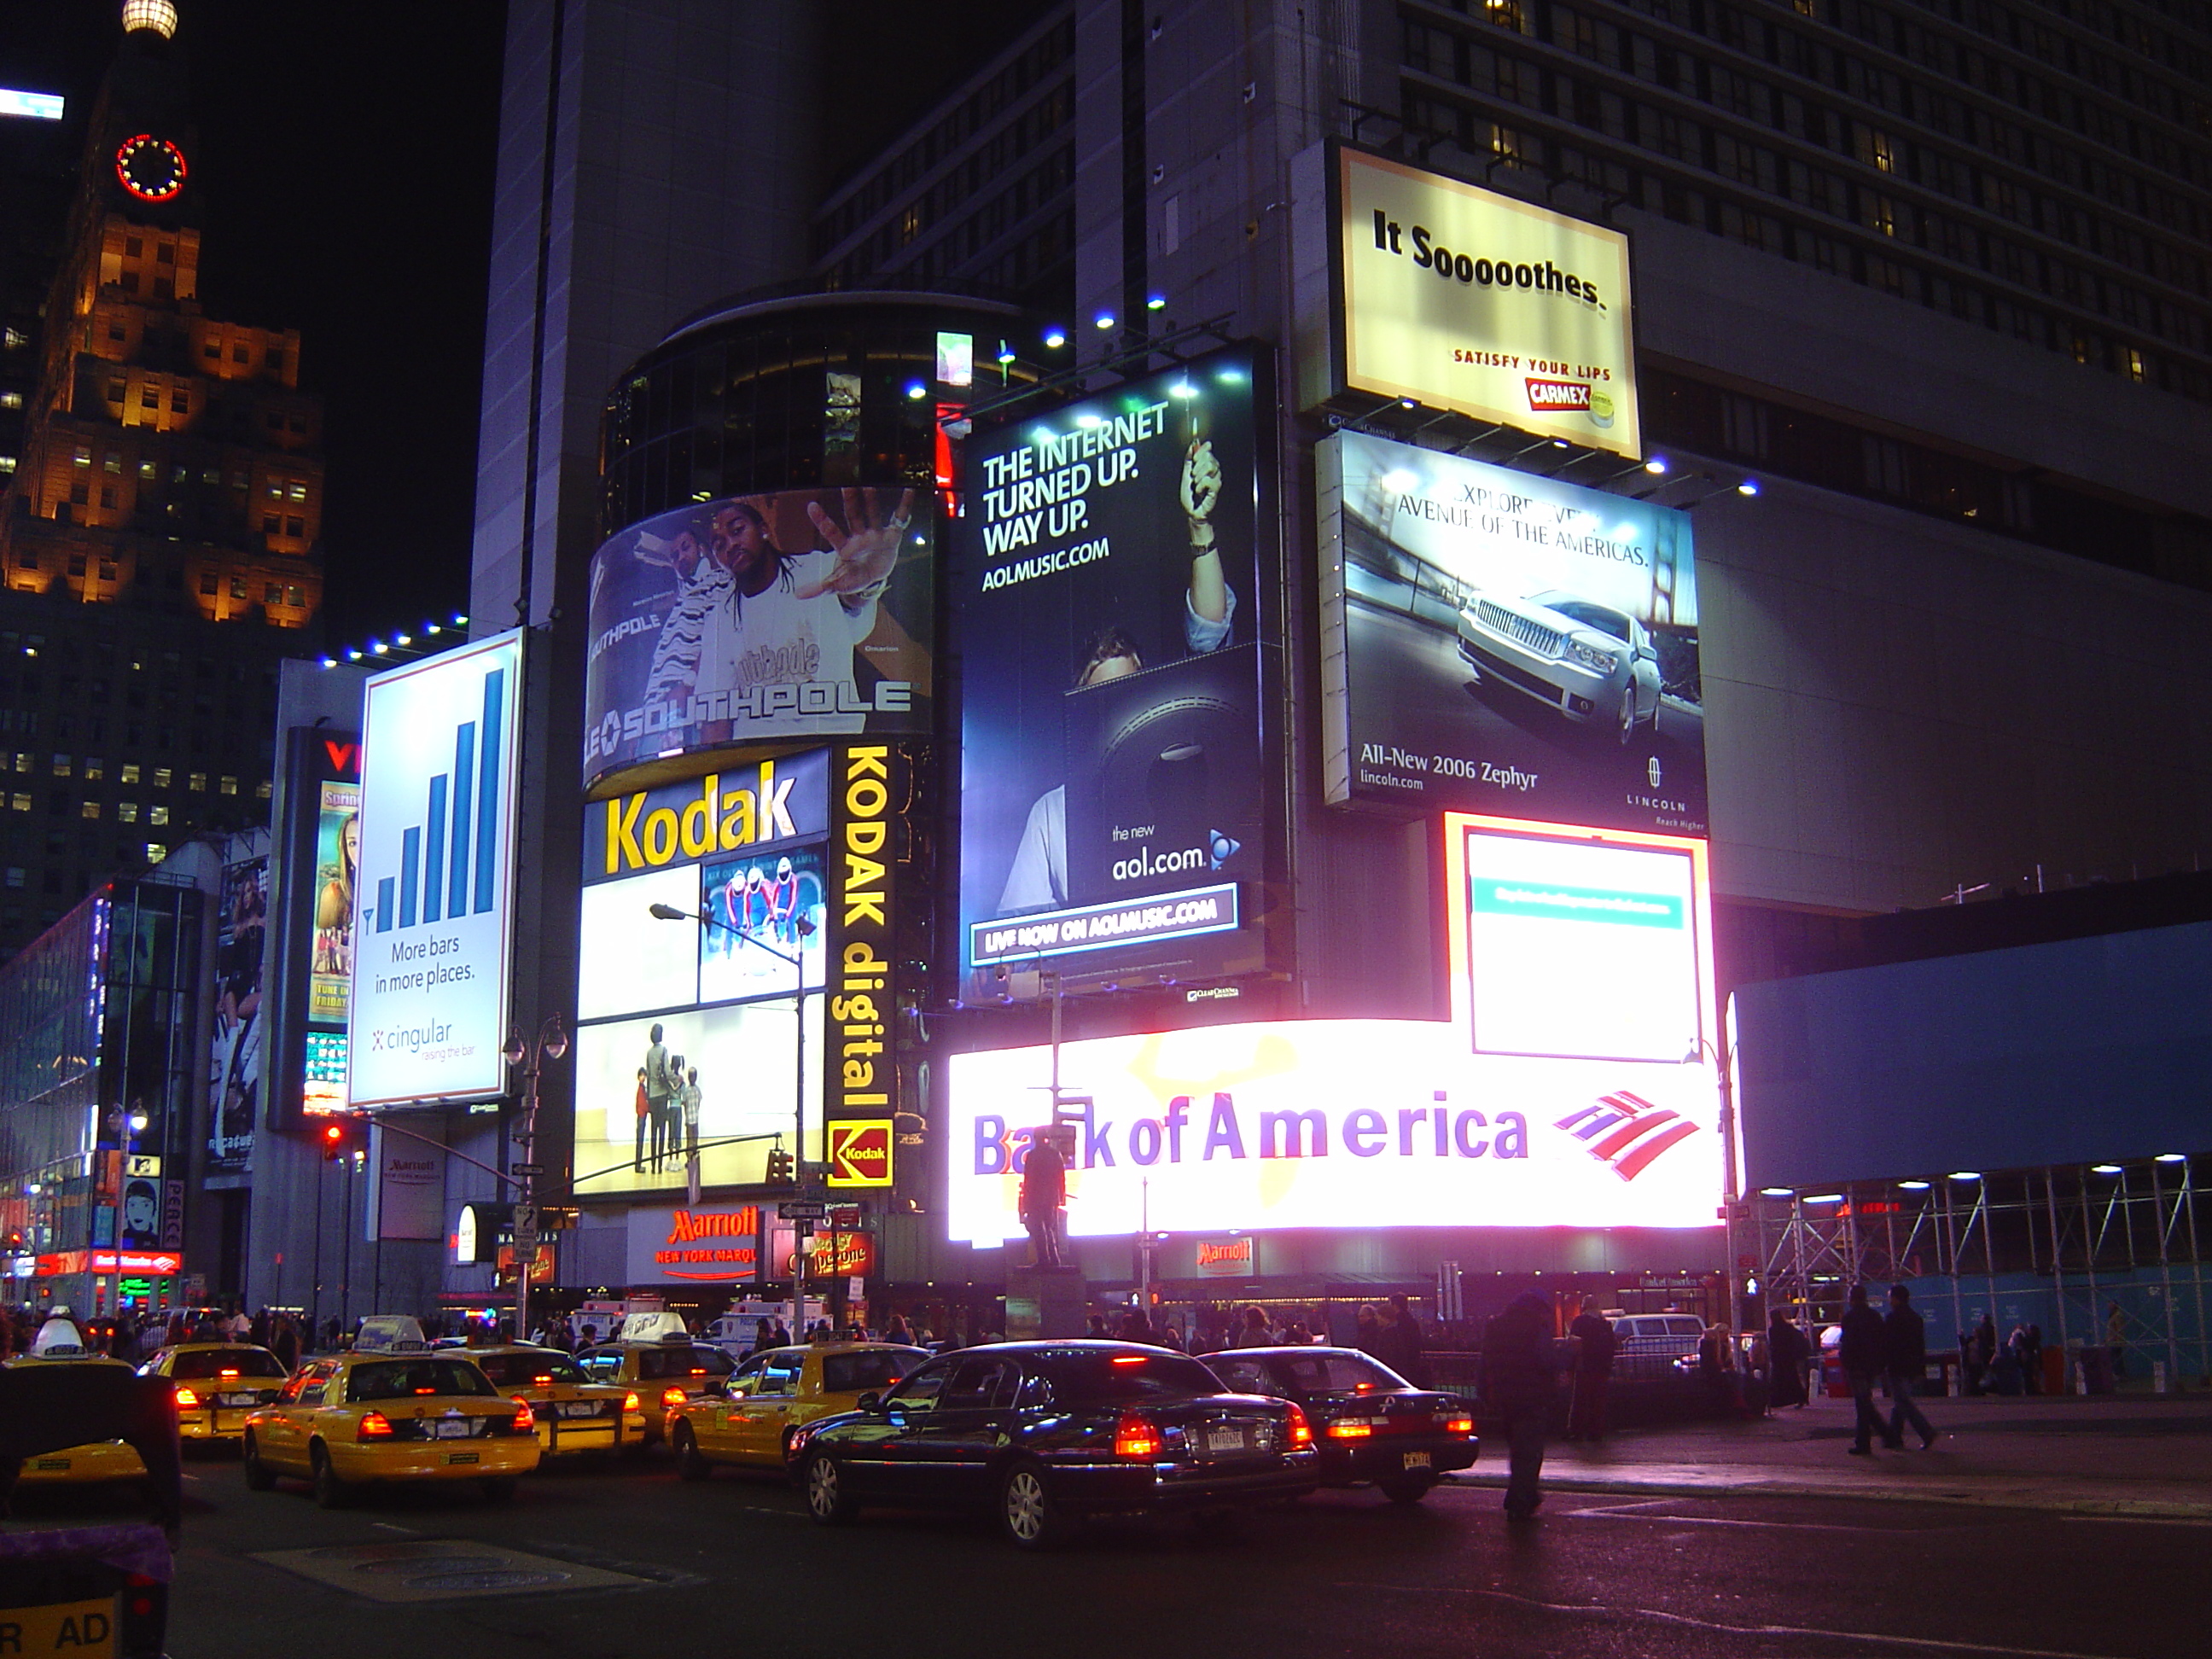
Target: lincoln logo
{"x": 1235, "y": 1252}
{"x": 684, "y": 1227}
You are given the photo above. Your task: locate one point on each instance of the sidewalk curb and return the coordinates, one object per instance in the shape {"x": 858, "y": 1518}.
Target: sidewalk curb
{"x": 2044, "y": 1499}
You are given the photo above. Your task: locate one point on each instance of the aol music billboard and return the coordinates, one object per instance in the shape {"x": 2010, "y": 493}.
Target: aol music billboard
{"x": 436, "y": 877}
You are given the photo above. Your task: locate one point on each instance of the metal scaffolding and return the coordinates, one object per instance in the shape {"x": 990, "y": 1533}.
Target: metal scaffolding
{"x": 2109, "y": 1254}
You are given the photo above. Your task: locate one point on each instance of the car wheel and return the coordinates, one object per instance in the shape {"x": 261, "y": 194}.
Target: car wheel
{"x": 1032, "y": 1517}
{"x": 499, "y": 1488}
{"x": 829, "y": 1499}
{"x": 331, "y": 1493}
{"x": 691, "y": 1463}
{"x": 1627, "y": 723}
{"x": 1407, "y": 1489}
{"x": 259, "y": 1477}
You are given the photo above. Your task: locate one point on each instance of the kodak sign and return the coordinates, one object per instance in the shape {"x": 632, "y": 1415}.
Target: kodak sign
{"x": 859, "y": 1083}
{"x": 740, "y": 810}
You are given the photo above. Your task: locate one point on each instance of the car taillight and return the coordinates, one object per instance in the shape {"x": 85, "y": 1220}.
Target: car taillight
{"x": 630, "y": 1400}
{"x": 1347, "y": 1428}
{"x": 1301, "y": 1430}
{"x": 525, "y": 1420}
{"x": 374, "y": 1425}
{"x": 673, "y": 1396}
{"x": 1137, "y": 1435}
{"x": 1457, "y": 1424}
{"x": 186, "y": 1399}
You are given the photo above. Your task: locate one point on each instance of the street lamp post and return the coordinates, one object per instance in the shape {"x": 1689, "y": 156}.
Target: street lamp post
{"x": 552, "y": 1043}
{"x": 1730, "y": 1197}
{"x": 707, "y": 919}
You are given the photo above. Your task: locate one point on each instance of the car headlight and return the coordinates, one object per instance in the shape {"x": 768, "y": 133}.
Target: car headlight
{"x": 1593, "y": 656}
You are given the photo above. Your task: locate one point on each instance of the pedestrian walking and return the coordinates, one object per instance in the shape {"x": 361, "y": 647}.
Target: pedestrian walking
{"x": 1863, "y": 1358}
{"x": 1521, "y": 1387}
{"x": 1594, "y": 1343}
{"x": 1905, "y": 1360}
{"x": 1787, "y": 1351}
{"x": 1367, "y": 1335}
{"x": 1253, "y": 1332}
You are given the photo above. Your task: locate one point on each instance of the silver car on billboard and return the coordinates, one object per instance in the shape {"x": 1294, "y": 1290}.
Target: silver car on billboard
{"x": 1594, "y": 664}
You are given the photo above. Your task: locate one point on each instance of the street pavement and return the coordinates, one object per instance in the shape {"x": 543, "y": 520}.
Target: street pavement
{"x": 1758, "y": 1540}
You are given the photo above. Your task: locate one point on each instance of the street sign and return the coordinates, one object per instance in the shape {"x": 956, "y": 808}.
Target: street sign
{"x": 801, "y": 1209}
{"x": 846, "y": 1216}
{"x": 860, "y": 1152}
{"x": 526, "y": 1226}
{"x": 525, "y": 1168}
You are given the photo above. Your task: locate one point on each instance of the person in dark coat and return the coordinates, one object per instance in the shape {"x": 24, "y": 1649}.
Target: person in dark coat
{"x": 1520, "y": 1386}
{"x": 1402, "y": 1343}
{"x": 1863, "y": 1357}
{"x": 1593, "y": 1349}
{"x": 1904, "y": 1358}
{"x": 1044, "y": 1191}
{"x": 1787, "y": 1351}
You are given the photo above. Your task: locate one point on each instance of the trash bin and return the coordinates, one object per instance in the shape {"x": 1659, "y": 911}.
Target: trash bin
{"x": 89, "y": 1590}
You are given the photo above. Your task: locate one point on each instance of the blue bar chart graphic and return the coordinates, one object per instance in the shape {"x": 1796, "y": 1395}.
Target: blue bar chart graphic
{"x": 436, "y": 873}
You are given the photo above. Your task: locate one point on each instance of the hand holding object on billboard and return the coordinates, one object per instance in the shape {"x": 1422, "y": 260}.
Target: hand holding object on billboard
{"x": 865, "y": 555}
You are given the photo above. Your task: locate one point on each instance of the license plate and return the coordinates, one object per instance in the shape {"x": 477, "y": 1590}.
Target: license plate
{"x": 1224, "y": 1437}
{"x": 460, "y": 1457}
{"x": 455, "y": 1428}
{"x": 52, "y": 1465}
{"x": 85, "y": 1630}
{"x": 579, "y": 1409}
{"x": 237, "y": 1400}
{"x": 1418, "y": 1461}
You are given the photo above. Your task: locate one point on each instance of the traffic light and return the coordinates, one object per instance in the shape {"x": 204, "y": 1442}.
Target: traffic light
{"x": 781, "y": 1170}
{"x": 337, "y": 1140}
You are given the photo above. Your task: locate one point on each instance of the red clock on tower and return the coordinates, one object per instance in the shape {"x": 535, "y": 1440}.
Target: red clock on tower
{"x": 151, "y": 168}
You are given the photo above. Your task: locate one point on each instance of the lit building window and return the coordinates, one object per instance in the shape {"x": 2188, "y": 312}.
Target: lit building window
{"x": 83, "y": 457}
{"x": 148, "y": 469}
{"x": 95, "y": 767}
{"x": 129, "y": 774}
{"x": 197, "y": 783}
{"x": 155, "y": 852}
{"x": 157, "y": 815}
{"x": 22, "y": 762}
{"x": 20, "y": 801}
{"x": 62, "y": 763}
{"x": 273, "y": 594}
{"x": 160, "y": 777}
{"x": 261, "y": 790}
{"x": 111, "y": 462}
{"x": 297, "y": 491}
{"x": 126, "y": 811}
{"x": 159, "y": 16}
{"x": 90, "y": 809}
{"x": 238, "y": 588}
{"x": 226, "y": 786}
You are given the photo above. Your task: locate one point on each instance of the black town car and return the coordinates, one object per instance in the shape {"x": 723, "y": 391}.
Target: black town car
{"x": 1043, "y": 1434}
{"x": 1370, "y": 1424}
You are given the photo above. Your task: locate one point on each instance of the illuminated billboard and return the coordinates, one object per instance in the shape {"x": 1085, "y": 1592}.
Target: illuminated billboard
{"x": 1116, "y": 760}
{"x": 738, "y": 861}
{"x": 796, "y": 613}
{"x": 241, "y": 1029}
{"x": 1499, "y": 643}
{"x": 431, "y": 911}
{"x": 1466, "y": 300}
{"x": 1557, "y": 1094}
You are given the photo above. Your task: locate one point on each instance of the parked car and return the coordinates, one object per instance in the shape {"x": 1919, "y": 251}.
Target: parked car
{"x": 1595, "y": 664}
{"x": 1653, "y": 1344}
{"x": 1368, "y": 1423}
{"x": 1044, "y": 1435}
{"x": 573, "y": 1412}
{"x": 661, "y": 1374}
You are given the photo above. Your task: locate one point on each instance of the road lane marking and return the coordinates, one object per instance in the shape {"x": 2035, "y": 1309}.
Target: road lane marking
{"x": 2137, "y": 1520}
{"x": 1921, "y": 1644}
{"x": 405, "y": 1532}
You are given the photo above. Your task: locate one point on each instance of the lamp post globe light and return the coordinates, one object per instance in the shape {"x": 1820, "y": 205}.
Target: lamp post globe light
{"x": 529, "y": 1059}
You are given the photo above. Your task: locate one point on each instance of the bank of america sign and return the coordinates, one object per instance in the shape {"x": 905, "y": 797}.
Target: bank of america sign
{"x": 432, "y": 896}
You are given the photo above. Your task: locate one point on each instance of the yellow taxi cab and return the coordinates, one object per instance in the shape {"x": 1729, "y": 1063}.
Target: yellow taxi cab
{"x": 391, "y": 1414}
{"x": 574, "y": 1413}
{"x": 775, "y": 1393}
{"x": 59, "y": 1342}
{"x": 663, "y": 1373}
{"x": 216, "y": 1383}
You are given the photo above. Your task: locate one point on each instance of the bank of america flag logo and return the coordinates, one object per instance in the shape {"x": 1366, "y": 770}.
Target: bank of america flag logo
{"x": 1626, "y": 1131}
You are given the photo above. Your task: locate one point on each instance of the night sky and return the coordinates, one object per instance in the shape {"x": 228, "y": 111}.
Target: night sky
{"x": 345, "y": 155}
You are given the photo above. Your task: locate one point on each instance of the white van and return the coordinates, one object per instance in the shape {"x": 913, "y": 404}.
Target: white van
{"x": 1649, "y": 1343}
{"x": 390, "y": 1333}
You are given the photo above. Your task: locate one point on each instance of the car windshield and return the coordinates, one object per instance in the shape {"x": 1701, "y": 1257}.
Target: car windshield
{"x": 406, "y": 1379}
{"x": 213, "y": 1362}
{"x": 520, "y": 1371}
{"x": 1605, "y": 621}
{"x": 878, "y": 1368}
{"x": 1101, "y": 1376}
{"x": 1339, "y": 1373}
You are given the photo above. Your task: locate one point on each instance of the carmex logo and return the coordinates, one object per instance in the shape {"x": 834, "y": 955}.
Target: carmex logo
{"x": 1627, "y": 1131}
{"x": 1558, "y": 394}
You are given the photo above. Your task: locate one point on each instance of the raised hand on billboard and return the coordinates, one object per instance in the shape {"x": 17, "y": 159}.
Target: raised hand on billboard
{"x": 1202, "y": 488}
{"x": 866, "y": 550}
